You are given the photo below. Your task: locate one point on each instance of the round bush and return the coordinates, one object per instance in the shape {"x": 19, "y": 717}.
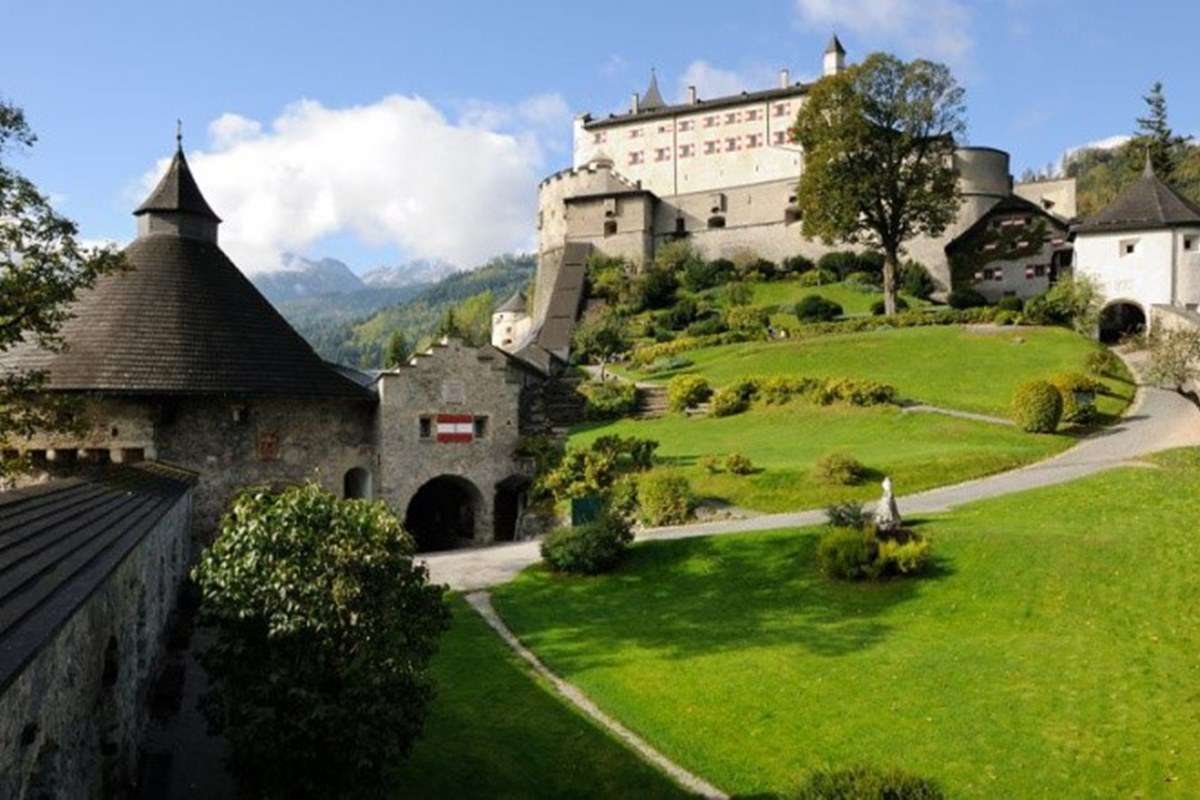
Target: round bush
{"x": 1102, "y": 362}
{"x": 587, "y": 549}
{"x": 965, "y": 298}
{"x": 818, "y": 277}
{"x": 1070, "y": 385}
{"x": 867, "y": 783}
{"x": 867, "y": 281}
{"x": 687, "y": 391}
{"x": 664, "y": 499}
{"x": 610, "y": 399}
{"x": 1037, "y": 407}
{"x": 840, "y": 263}
{"x": 815, "y": 308}
{"x": 1010, "y": 304}
{"x": 847, "y": 554}
{"x": 796, "y": 264}
{"x": 739, "y": 464}
{"x": 915, "y": 280}
{"x": 727, "y": 401}
{"x": 877, "y": 307}
{"x": 747, "y": 318}
{"x": 839, "y": 469}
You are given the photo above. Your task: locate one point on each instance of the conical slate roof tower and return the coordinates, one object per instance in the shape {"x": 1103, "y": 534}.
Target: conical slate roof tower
{"x": 183, "y": 320}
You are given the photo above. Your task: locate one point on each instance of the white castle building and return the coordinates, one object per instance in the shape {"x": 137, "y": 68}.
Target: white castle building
{"x": 722, "y": 173}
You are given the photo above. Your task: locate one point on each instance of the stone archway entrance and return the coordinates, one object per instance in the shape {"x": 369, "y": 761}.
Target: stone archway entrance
{"x": 510, "y": 504}
{"x": 1121, "y": 318}
{"x": 443, "y": 513}
{"x": 356, "y": 484}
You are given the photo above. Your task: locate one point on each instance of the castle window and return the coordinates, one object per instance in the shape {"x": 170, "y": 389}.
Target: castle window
{"x": 686, "y": 125}
{"x": 680, "y": 225}
{"x": 637, "y": 158}
{"x": 780, "y": 137}
{"x": 711, "y": 121}
{"x": 664, "y": 128}
{"x": 133, "y": 455}
{"x": 1190, "y": 242}
{"x": 1127, "y": 247}
{"x": 540, "y": 219}
{"x": 731, "y": 144}
{"x": 481, "y": 427}
{"x": 610, "y": 227}
{"x": 731, "y": 118}
{"x": 634, "y": 133}
{"x": 716, "y": 221}
{"x": 781, "y": 109}
{"x": 687, "y": 150}
{"x": 710, "y": 147}
{"x": 598, "y": 137}
{"x": 754, "y": 140}
{"x": 662, "y": 154}
{"x": 425, "y": 427}
{"x": 792, "y": 214}
{"x": 751, "y": 115}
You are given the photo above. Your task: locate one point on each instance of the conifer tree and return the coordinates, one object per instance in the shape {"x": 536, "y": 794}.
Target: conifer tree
{"x": 1155, "y": 135}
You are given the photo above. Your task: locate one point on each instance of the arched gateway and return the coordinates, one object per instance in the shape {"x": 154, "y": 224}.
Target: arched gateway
{"x": 443, "y": 513}
{"x": 1121, "y": 318}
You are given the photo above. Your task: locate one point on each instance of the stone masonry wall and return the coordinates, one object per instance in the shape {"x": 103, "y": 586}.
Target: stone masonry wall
{"x": 70, "y": 722}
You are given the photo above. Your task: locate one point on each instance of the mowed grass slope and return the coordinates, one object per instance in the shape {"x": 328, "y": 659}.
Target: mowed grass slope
{"x": 498, "y": 731}
{"x": 853, "y": 301}
{"x": 964, "y": 368}
{"x": 1052, "y": 654}
{"x": 918, "y": 450}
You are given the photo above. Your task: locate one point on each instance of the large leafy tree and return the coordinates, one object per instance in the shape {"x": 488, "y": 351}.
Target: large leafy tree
{"x": 324, "y": 628}
{"x": 878, "y": 142}
{"x": 42, "y": 269}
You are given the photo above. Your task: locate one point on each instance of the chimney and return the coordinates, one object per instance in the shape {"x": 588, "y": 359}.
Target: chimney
{"x": 633, "y": 104}
{"x": 785, "y": 78}
{"x": 691, "y": 95}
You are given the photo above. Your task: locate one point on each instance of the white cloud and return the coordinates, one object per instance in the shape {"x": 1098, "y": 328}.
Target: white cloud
{"x": 394, "y": 172}
{"x": 711, "y": 81}
{"x": 928, "y": 28}
{"x": 614, "y": 65}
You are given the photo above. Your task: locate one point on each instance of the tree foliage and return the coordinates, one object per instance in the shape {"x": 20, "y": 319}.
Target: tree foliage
{"x": 879, "y": 142}
{"x": 1164, "y": 146}
{"x": 398, "y": 351}
{"x": 1174, "y": 357}
{"x": 42, "y": 269}
{"x": 600, "y": 338}
{"x": 324, "y": 627}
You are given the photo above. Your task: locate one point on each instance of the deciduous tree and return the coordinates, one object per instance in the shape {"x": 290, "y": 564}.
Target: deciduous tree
{"x": 879, "y": 141}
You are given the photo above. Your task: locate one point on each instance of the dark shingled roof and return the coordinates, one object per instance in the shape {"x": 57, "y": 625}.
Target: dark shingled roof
{"x": 1013, "y": 204}
{"x": 1147, "y": 204}
{"x": 652, "y": 99}
{"x": 699, "y": 106}
{"x": 182, "y": 321}
{"x": 566, "y": 296}
{"x": 60, "y": 542}
{"x": 515, "y": 304}
{"x": 835, "y": 46}
{"x": 177, "y": 191}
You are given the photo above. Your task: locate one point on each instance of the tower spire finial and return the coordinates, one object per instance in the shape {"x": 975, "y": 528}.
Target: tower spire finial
{"x": 179, "y": 135}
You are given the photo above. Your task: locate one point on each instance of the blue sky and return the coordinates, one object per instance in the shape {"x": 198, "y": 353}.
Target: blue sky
{"x": 378, "y": 132}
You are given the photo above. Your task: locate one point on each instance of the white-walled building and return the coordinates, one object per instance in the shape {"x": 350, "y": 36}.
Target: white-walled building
{"x": 1143, "y": 250}
{"x": 511, "y": 323}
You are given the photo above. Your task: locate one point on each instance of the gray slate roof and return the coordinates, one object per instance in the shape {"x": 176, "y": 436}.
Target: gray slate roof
{"x": 183, "y": 321}
{"x": 566, "y": 296}
{"x": 835, "y": 46}
{"x": 177, "y": 191}
{"x": 762, "y": 96}
{"x": 652, "y": 99}
{"x": 1147, "y": 204}
{"x": 59, "y": 543}
{"x": 515, "y": 304}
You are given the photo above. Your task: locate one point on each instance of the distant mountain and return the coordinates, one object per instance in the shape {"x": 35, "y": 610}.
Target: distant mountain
{"x": 420, "y": 271}
{"x": 300, "y": 277}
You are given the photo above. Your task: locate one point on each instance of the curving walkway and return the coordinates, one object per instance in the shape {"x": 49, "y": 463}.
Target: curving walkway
{"x": 1156, "y": 420}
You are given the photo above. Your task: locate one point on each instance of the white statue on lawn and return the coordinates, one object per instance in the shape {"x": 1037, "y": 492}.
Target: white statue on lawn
{"x": 887, "y": 513}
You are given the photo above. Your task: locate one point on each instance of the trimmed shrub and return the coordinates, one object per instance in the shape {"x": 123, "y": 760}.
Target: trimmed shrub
{"x": 847, "y": 554}
{"x": 915, "y": 280}
{"x": 608, "y": 400}
{"x": 664, "y": 499}
{"x": 623, "y": 499}
{"x": 817, "y": 277}
{"x": 1037, "y": 407}
{"x": 707, "y": 326}
{"x": 965, "y": 298}
{"x": 1010, "y": 304}
{"x": 758, "y": 269}
{"x": 796, "y": 265}
{"x": 1068, "y": 385}
{"x": 737, "y": 294}
{"x": 738, "y": 464}
{"x": 838, "y": 469}
{"x": 1005, "y": 317}
{"x": 877, "y": 307}
{"x": 867, "y": 783}
{"x": 1103, "y": 362}
{"x": 909, "y": 557}
{"x": 840, "y": 263}
{"x": 747, "y": 318}
{"x": 847, "y": 515}
{"x": 687, "y": 391}
{"x": 728, "y": 401}
{"x": 854, "y": 391}
{"x": 815, "y": 308}
{"x": 863, "y": 281}
{"x": 588, "y": 549}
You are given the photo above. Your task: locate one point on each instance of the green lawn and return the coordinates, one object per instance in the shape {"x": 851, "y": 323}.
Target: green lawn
{"x": 919, "y": 451}
{"x": 965, "y": 368}
{"x": 498, "y": 731}
{"x": 786, "y": 293}
{"x": 1054, "y": 652}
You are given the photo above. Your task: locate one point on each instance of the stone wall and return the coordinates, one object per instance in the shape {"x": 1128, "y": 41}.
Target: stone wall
{"x": 70, "y": 721}
{"x": 456, "y": 379}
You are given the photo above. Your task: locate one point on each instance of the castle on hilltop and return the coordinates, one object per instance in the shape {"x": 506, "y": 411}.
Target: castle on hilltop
{"x": 722, "y": 173}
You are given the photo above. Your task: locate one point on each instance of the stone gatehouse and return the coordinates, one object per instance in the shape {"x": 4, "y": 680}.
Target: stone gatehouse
{"x": 182, "y": 360}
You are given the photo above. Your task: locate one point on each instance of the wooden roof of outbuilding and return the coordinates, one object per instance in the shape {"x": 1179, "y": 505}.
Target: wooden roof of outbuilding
{"x": 60, "y": 542}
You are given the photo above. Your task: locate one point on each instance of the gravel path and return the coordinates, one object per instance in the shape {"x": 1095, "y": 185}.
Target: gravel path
{"x": 1157, "y": 420}
{"x": 482, "y": 603}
